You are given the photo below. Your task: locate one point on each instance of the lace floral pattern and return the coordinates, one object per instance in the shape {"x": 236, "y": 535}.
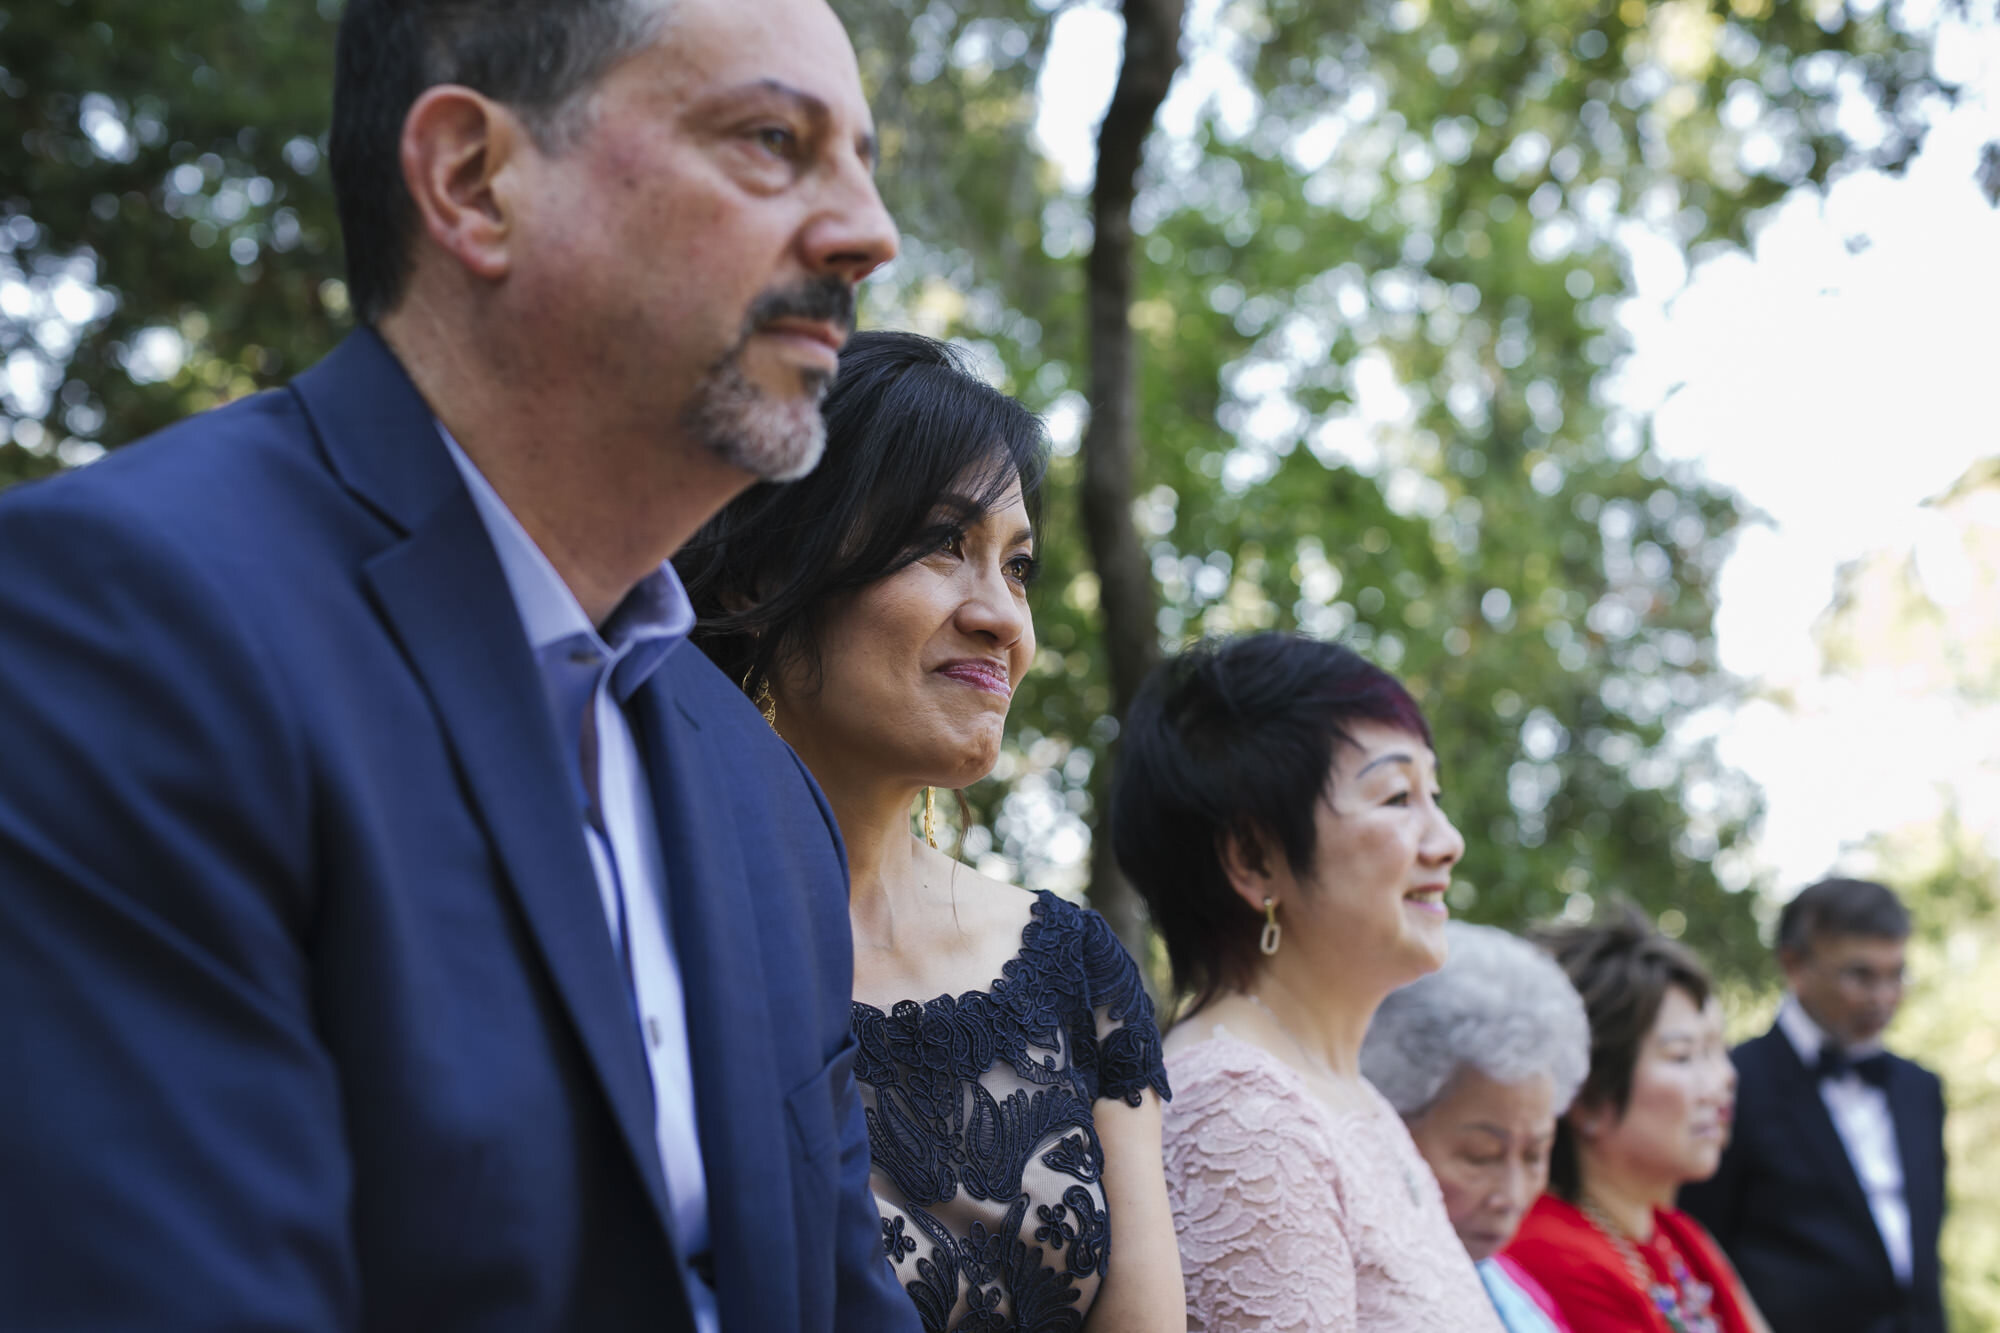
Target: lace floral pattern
{"x": 986, "y": 1160}
{"x": 1292, "y": 1216}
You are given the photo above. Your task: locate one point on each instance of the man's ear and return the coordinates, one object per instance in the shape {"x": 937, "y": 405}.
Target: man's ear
{"x": 457, "y": 149}
{"x": 1246, "y": 859}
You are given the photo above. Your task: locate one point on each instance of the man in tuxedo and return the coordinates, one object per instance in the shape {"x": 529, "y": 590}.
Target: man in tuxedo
{"x": 401, "y": 927}
{"x": 1830, "y": 1197}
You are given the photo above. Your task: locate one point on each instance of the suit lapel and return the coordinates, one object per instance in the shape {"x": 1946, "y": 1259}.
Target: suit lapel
{"x": 1815, "y": 1125}
{"x": 1914, "y": 1148}
{"x": 738, "y": 1099}
{"x": 445, "y": 599}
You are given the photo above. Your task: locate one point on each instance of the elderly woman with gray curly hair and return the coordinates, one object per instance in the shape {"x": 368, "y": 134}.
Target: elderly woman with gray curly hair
{"x": 1479, "y": 1058}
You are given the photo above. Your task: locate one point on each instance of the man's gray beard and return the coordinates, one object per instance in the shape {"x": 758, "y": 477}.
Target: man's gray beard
{"x": 776, "y": 439}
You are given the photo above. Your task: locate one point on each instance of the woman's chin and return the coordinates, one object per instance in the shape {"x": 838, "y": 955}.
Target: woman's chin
{"x": 1700, "y": 1163}
{"x": 1428, "y": 945}
{"x": 968, "y": 763}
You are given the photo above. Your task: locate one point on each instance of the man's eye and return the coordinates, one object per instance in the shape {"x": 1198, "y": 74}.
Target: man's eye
{"x": 777, "y": 140}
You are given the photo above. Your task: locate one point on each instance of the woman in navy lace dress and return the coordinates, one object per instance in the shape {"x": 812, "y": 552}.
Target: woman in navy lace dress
{"x": 1009, "y": 1062}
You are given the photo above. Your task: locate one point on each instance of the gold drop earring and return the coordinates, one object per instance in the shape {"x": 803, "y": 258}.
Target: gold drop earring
{"x": 765, "y": 704}
{"x": 930, "y": 815}
{"x": 1267, "y": 943}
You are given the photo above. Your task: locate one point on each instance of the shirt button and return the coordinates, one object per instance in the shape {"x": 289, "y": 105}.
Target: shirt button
{"x": 653, "y": 1030}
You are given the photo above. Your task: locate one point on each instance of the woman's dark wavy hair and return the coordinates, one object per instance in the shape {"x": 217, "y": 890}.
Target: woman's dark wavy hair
{"x": 1623, "y": 969}
{"x": 917, "y": 447}
{"x": 1235, "y": 739}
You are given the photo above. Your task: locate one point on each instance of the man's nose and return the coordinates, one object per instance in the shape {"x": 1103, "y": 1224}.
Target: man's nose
{"x": 854, "y": 234}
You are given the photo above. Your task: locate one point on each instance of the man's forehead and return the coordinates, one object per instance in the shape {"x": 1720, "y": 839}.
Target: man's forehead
{"x": 1860, "y": 947}
{"x": 794, "y": 45}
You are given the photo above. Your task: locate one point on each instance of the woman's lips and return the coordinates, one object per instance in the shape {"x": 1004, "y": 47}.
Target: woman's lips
{"x": 987, "y": 676}
{"x": 1715, "y": 1126}
{"x": 1430, "y": 900}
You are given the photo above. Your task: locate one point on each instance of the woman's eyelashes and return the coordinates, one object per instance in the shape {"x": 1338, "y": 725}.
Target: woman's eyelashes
{"x": 1406, "y": 797}
{"x": 954, "y": 544}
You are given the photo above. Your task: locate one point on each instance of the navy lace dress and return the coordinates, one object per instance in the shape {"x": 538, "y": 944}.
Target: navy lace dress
{"x": 980, "y": 1118}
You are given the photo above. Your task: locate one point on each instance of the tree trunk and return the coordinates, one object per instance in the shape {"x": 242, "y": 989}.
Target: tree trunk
{"x": 1111, "y": 443}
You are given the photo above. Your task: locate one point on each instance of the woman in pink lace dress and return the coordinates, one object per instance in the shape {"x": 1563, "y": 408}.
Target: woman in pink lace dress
{"x": 1277, "y": 806}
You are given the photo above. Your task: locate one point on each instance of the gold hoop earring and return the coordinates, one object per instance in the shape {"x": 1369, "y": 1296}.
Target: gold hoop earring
{"x": 930, "y": 815}
{"x": 1267, "y": 943}
{"x": 763, "y": 701}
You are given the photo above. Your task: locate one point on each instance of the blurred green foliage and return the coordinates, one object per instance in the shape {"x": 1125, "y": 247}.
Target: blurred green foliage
{"x": 1379, "y": 327}
{"x": 1379, "y": 330}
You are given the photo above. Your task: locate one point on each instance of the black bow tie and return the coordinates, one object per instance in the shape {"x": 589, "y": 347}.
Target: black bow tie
{"x": 1837, "y": 1063}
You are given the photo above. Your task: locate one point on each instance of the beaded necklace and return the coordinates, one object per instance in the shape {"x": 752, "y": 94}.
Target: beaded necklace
{"x": 1687, "y": 1303}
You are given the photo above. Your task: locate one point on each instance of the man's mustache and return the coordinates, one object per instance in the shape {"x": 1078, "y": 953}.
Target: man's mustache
{"x": 827, "y": 299}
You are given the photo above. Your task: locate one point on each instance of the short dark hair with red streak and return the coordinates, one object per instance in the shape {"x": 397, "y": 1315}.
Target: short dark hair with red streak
{"x": 1234, "y": 739}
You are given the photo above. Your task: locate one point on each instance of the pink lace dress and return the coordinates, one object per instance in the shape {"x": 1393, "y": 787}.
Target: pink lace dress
{"x": 1295, "y": 1216}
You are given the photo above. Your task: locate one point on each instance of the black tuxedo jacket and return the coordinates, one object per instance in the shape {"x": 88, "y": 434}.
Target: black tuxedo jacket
{"x": 1789, "y": 1209}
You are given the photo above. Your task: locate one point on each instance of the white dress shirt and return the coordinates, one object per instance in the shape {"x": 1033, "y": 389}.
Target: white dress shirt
{"x": 1861, "y": 1116}
{"x": 588, "y": 677}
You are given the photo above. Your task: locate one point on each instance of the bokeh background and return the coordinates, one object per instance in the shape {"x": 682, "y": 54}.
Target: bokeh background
{"x": 1620, "y": 374}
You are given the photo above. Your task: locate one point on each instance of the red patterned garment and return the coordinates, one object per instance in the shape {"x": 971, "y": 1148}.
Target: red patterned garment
{"x": 1690, "y": 1286}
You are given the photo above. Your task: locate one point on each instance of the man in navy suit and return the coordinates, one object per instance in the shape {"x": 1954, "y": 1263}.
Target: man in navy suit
{"x": 1830, "y": 1197}
{"x": 400, "y": 926}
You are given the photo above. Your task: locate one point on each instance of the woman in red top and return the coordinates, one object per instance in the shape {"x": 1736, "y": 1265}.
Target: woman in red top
{"x": 1606, "y": 1242}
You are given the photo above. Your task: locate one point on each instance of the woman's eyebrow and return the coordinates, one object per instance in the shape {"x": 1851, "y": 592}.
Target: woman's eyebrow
{"x": 1399, "y": 757}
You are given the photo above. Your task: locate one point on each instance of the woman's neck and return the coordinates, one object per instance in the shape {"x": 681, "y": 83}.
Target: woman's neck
{"x": 1625, "y": 1197}
{"x": 1325, "y": 1021}
{"x": 885, "y": 864}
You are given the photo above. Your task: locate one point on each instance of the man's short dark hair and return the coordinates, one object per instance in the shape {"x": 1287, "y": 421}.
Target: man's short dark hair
{"x": 1623, "y": 969}
{"x": 1836, "y": 907}
{"x": 1235, "y": 739}
{"x": 535, "y": 56}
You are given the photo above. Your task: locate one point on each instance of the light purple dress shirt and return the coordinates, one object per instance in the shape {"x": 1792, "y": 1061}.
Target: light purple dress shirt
{"x": 588, "y": 675}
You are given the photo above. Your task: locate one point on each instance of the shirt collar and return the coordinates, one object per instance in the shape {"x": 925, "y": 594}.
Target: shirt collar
{"x": 1805, "y": 1035}
{"x": 650, "y": 623}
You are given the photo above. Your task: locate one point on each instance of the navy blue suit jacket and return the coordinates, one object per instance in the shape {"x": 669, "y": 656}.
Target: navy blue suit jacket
{"x": 309, "y": 1015}
{"x": 1789, "y": 1209}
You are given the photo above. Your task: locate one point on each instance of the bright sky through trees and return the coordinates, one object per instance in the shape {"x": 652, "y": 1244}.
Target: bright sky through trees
{"x": 1836, "y": 377}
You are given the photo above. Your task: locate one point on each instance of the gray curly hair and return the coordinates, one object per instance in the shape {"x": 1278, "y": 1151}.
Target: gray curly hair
{"x": 1498, "y": 1005}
